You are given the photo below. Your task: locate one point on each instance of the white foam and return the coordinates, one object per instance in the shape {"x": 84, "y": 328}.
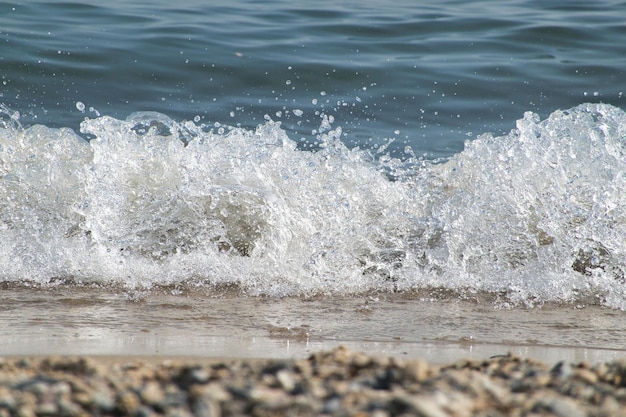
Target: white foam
{"x": 538, "y": 214}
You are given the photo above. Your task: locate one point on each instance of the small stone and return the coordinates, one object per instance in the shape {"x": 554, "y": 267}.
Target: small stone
{"x": 199, "y": 375}
{"x": 26, "y": 411}
{"x": 286, "y": 380}
{"x": 23, "y": 363}
{"x": 269, "y": 397}
{"x": 47, "y": 409}
{"x": 601, "y": 370}
{"x": 561, "y": 407}
{"x": 332, "y": 406}
{"x": 151, "y": 393}
{"x": 173, "y": 396}
{"x": 206, "y": 408}
{"x": 36, "y": 387}
{"x": 585, "y": 375}
{"x": 303, "y": 367}
{"x": 128, "y": 402}
{"x": 103, "y": 399}
{"x": 144, "y": 411}
{"x": 69, "y": 409}
{"x": 361, "y": 360}
{"x": 61, "y": 389}
{"x": 82, "y": 398}
{"x": 178, "y": 412}
{"x": 341, "y": 355}
{"x": 6, "y": 398}
{"x": 27, "y": 399}
{"x": 542, "y": 379}
{"x": 425, "y": 406}
{"x": 496, "y": 391}
{"x": 212, "y": 391}
{"x": 417, "y": 370}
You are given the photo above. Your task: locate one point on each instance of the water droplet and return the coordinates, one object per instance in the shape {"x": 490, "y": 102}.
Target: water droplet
{"x": 80, "y": 106}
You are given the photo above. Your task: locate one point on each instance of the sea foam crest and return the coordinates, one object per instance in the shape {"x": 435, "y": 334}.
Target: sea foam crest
{"x": 540, "y": 211}
{"x": 538, "y": 214}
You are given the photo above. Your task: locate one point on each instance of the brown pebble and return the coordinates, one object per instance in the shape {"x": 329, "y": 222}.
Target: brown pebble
{"x": 417, "y": 370}
{"x": 585, "y": 375}
{"x": 151, "y": 393}
{"x": 128, "y": 402}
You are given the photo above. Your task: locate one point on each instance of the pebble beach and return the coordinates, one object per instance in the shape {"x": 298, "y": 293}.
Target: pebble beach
{"x": 337, "y": 382}
{"x": 295, "y": 208}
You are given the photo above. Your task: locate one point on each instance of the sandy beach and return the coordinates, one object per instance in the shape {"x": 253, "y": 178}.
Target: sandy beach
{"x": 337, "y": 382}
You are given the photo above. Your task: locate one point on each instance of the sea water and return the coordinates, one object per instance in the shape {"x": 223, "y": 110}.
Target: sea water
{"x": 463, "y": 150}
{"x": 538, "y": 214}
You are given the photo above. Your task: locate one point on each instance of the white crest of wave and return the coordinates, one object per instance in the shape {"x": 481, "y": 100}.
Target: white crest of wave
{"x": 538, "y": 214}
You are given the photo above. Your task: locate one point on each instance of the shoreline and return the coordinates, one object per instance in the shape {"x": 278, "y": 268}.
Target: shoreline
{"x": 332, "y": 382}
{"x": 80, "y": 353}
{"x": 193, "y": 348}
{"x": 75, "y": 321}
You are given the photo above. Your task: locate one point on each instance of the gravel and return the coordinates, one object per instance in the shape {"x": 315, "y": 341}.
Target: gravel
{"x": 337, "y": 383}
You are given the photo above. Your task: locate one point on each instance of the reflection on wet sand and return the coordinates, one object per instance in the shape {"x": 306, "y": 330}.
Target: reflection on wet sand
{"x": 90, "y": 321}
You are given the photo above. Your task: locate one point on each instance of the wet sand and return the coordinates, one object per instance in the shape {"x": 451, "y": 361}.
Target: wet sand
{"x": 104, "y": 322}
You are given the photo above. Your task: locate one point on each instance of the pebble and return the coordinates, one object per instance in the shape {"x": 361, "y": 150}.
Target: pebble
{"x": 151, "y": 393}
{"x": 336, "y": 383}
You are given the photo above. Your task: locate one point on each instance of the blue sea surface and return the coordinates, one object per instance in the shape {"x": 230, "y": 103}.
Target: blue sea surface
{"x": 428, "y": 75}
{"x": 336, "y": 147}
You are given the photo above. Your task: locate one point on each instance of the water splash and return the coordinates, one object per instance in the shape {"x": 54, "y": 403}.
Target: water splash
{"x": 538, "y": 212}
{"x": 537, "y": 215}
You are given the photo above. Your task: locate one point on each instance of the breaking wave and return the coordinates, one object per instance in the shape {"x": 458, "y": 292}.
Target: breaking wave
{"x": 537, "y": 215}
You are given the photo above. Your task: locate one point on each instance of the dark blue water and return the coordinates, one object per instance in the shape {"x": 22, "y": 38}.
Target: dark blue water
{"x": 428, "y": 75}
{"x": 287, "y": 148}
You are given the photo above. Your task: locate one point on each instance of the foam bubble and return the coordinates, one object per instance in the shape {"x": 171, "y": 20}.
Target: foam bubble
{"x": 537, "y": 215}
